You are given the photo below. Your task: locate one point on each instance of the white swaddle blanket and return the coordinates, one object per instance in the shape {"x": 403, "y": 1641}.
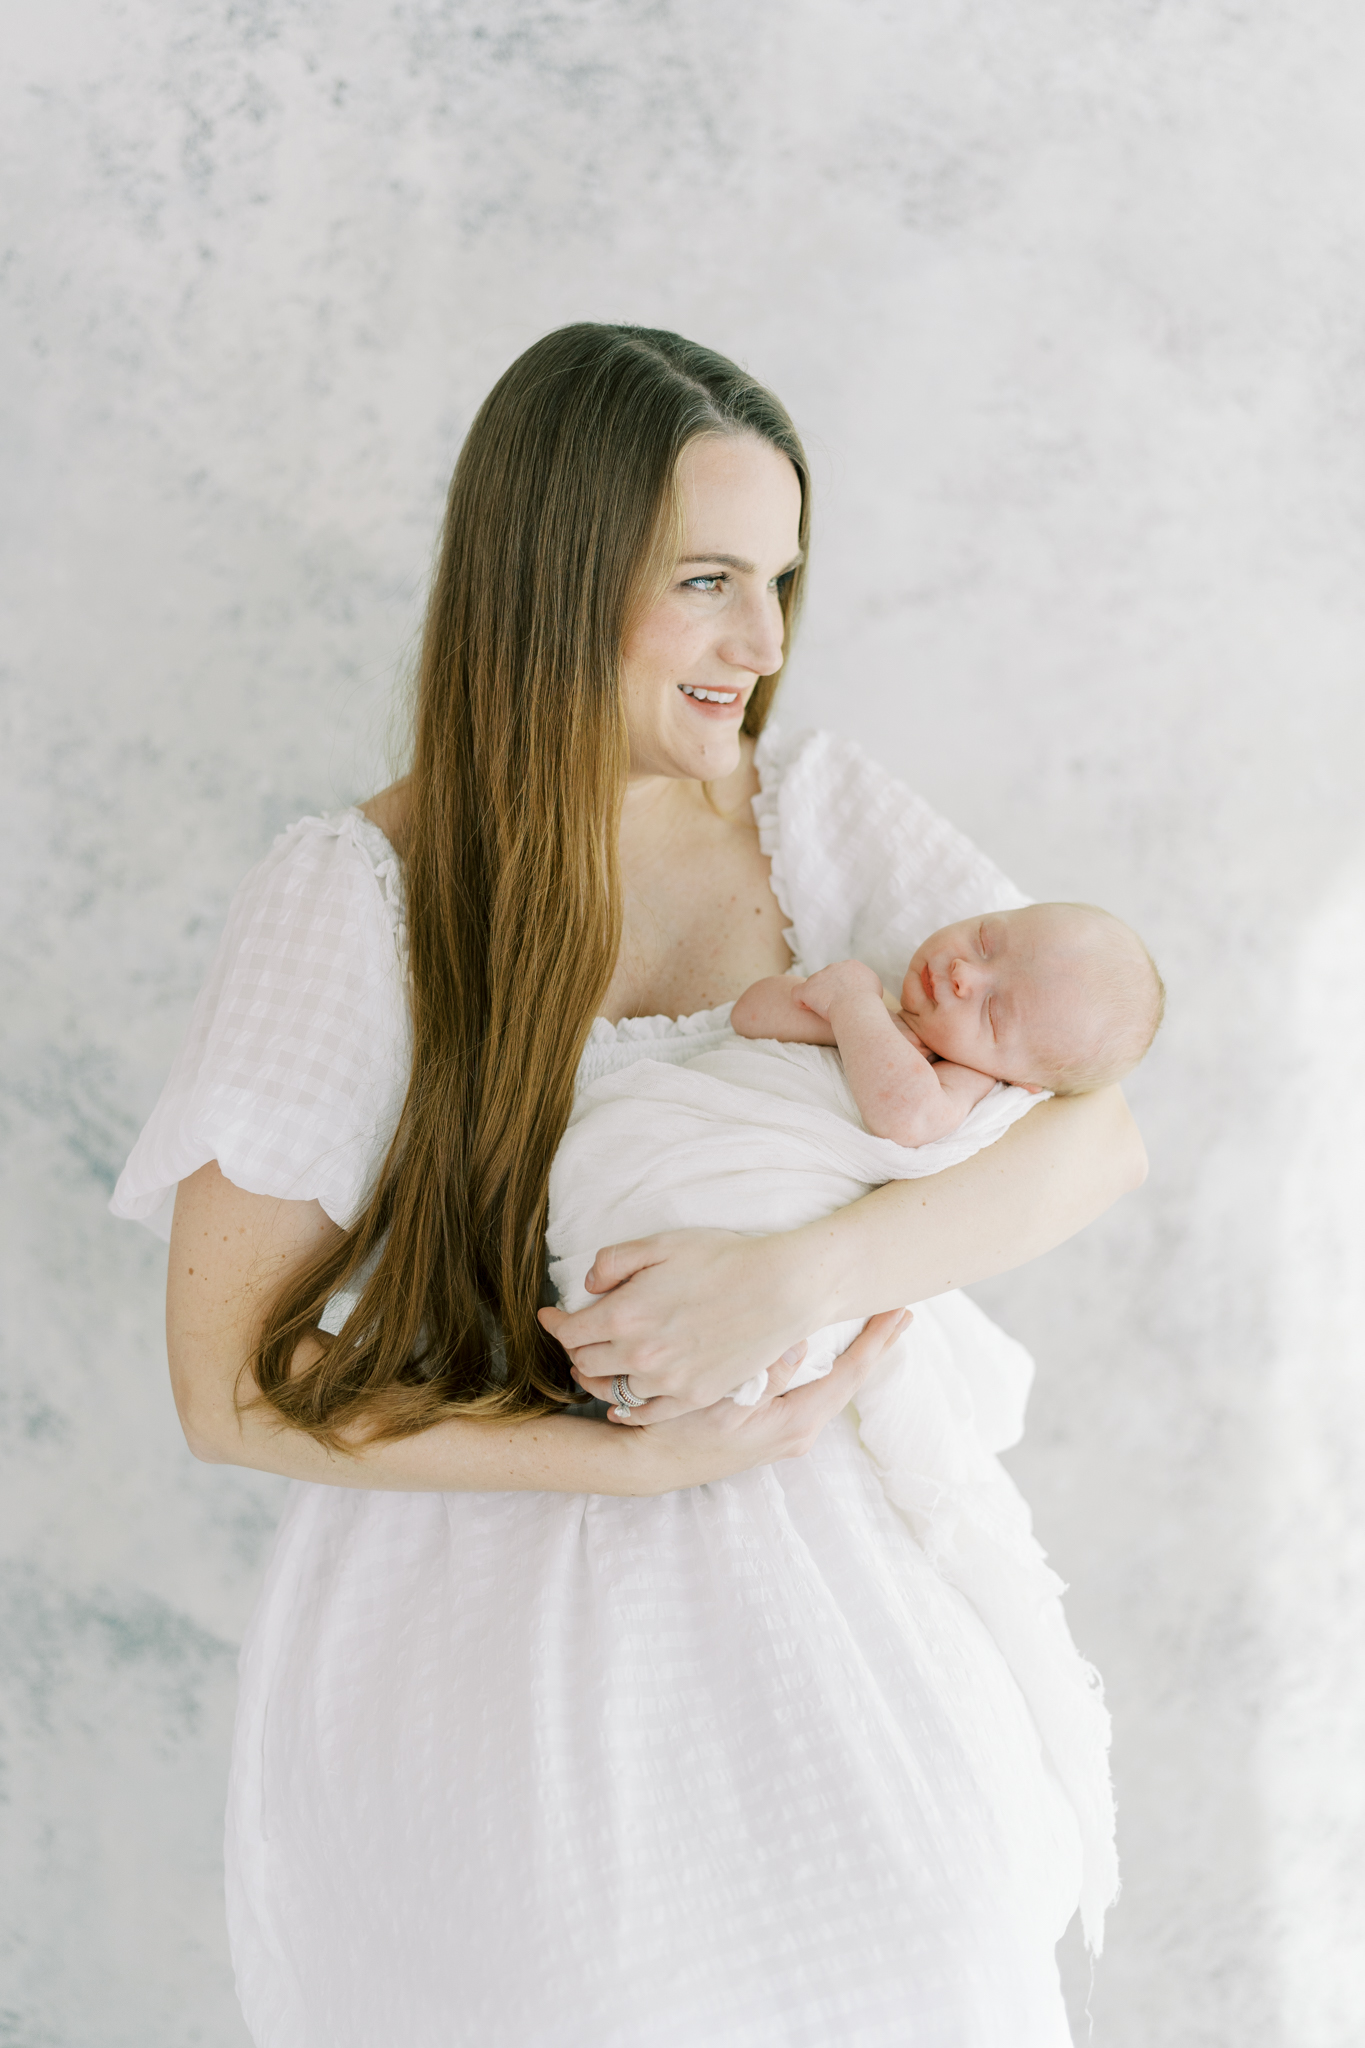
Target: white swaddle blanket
{"x": 760, "y": 1137}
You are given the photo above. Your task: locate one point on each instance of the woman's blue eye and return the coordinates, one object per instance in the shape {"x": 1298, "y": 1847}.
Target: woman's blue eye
{"x": 706, "y": 584}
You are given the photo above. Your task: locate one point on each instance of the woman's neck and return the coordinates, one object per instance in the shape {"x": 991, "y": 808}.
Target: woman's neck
{"x": 658, "y": 807}
{"x": 700, "y": 918}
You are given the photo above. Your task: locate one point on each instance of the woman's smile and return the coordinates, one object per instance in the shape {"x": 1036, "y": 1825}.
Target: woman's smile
{"x": 715, "y": 703}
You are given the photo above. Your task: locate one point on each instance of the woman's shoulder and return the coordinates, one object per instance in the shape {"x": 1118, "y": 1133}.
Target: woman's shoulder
{"x": 294, "y": 1063}
{"x": 388, "y": 813}
{"x": 323, "y": 867}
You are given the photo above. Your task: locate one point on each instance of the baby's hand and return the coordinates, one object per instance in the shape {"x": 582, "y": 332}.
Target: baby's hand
{"x": 906, "y": 1030}
{"x": 833, "y": 984}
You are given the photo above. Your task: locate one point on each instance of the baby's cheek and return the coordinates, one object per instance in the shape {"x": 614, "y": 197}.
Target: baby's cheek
{"x": 958, "y": 1046}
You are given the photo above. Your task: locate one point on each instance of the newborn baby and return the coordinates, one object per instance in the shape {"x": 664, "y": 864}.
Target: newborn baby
{"x": 775, "y": 1128}
{"x": 1057, "y": 996}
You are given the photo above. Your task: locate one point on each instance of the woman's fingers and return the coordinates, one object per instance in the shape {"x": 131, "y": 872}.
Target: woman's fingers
{"x": 615, "y": 1263}
{"x": 877, "y": 1332}
{"x": 598, "y": 1352}
{"x": 697, "y": 1314}
{"x": 598, "y": 1322}
{"x": 661, "y": 1408}
{"x": 665, "y": 1407}
{"x": 812, "y": 1406}
{"x": 654, "y": 1407}
{"x": 699, "y": 1444}
{"x": 876, "y": 1335}
{"x": 779, "y": 1375}
{"x": 564, "y": 1327}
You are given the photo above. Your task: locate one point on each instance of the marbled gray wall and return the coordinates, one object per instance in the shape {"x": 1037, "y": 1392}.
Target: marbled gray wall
{"x": 1070, "y": 301}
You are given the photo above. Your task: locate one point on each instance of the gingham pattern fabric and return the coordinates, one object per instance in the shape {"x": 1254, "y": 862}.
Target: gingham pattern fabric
{"x": 863, "y": 868}
{"x": 295, "y": 1063}
{"x": 735, "y": 1765}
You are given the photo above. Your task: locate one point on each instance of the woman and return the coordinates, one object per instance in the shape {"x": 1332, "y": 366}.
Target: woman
{"x": 558, "y": 1728}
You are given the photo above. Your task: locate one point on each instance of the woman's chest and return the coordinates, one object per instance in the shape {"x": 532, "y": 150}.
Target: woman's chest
{"x": 699, "y": 926}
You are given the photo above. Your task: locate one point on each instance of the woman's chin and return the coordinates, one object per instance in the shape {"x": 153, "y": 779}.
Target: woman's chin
{"x": 720, "y": 759}
{"x": 706, "y": 755}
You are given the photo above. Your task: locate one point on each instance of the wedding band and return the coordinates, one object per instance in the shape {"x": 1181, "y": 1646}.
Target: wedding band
{"x": 620, "y": 1388}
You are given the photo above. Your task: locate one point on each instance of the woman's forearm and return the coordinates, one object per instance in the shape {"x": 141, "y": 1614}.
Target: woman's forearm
{"x": 543, "y": 1454}
{"x": 229, "y": 1251}
{"x": 1053, "y": 1172}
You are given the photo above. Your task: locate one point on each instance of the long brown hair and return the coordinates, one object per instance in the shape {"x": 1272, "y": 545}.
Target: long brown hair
{"x": 563, "y": 518}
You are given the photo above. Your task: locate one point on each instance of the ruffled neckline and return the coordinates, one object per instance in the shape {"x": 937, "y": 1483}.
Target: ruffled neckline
{"x": 631, "y": 1030}
{"x": 635, "y": 1030}
{"x": 768, "y": 762}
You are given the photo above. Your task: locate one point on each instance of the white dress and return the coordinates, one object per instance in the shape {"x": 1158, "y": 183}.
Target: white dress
{"x": 737, "y": 1767}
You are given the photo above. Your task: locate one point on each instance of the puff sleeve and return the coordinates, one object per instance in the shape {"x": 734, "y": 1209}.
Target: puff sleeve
{"x": 863, "y": 867}
{"x": 296, "y": 1061}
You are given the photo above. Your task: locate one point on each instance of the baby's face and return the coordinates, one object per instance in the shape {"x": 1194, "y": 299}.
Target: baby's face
{"x": 998, "y": 992}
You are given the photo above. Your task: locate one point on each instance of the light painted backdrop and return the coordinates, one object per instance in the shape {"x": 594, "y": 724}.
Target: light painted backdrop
{"x": 1070, "y": 302}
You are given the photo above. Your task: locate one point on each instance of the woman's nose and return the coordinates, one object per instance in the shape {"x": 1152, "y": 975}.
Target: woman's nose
{"x": 756, "y": 640}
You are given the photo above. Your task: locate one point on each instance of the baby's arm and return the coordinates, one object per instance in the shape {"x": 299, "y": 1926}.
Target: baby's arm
{"x": 769, "y": 1009}
{"x": 900, "y": 1094}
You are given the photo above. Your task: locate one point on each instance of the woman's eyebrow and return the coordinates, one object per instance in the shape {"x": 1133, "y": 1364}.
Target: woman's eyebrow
{"x": 738, "y": 562}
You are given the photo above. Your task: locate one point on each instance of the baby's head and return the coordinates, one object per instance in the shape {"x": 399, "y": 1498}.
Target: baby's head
{"x": 1059, "y": 995}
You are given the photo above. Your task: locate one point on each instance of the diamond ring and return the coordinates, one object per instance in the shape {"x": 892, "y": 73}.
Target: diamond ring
{"x": 620, "y": 1388}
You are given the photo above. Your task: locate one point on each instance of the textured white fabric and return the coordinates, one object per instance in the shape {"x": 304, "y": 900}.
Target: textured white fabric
{"x": 751, "y": 1135}
{"x": 736, "y": 1767}
{"x": 863, "y": 868}
{"x": 745, "y": 1134}
{"x": 613, "y": 1047}
{"x": 295, "y": 1064}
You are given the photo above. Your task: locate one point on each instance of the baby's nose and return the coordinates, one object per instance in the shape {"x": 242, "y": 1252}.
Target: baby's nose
{"x": 962, "y": 975}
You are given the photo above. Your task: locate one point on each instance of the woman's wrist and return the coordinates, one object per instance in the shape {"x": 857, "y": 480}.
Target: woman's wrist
{"x": 661, "y": 1458}
{"x": 640, "y": 1467}
{"x": 1052, "y": 1172}
{"x": 569, "y": 1453}
{"x": 802, "y": 1276}
{"x": 837, "y": 1264}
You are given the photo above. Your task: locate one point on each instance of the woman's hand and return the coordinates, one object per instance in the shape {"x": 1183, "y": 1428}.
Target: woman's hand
{"x": 690, "y": 1314}
{"x": 704, "y": 1444}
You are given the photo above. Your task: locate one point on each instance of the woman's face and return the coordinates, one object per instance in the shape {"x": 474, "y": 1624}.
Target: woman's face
{"x": 690, "y": 663}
